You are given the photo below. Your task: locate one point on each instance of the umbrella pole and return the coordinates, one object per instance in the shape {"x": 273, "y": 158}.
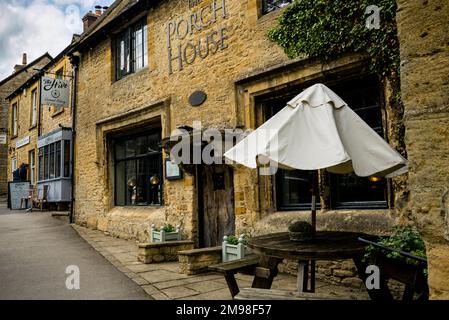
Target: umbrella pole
{"x": 314, "y": 195}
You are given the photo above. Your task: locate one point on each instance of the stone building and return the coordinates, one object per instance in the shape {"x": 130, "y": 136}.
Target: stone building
{"x": 148, "y": 68}
{"x": 40, "y": 134}
{"x": 21, "y": 74}
{"x": 423, "y": 30}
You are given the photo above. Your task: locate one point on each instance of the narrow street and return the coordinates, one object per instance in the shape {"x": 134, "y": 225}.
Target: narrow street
{"x": 35, "y": 250}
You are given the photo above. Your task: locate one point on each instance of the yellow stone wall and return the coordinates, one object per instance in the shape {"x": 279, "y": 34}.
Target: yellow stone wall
{"x": 424, "y": 37}
{"x": 24, "y": 105}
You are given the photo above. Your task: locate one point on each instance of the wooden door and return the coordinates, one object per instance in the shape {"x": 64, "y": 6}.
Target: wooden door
{"x": 216, "y": 217}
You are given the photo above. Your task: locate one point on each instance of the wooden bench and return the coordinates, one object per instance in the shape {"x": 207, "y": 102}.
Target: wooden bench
{"x": 270, "y": 294}
{"x": 246, "y": 265}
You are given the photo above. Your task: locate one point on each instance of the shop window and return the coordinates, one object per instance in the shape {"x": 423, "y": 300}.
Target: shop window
{"x": 272, "y": 5}
{"x": 138, "y": 169}
{"x": 131, "y": 49}
{"x": 293, "y": 188}
{"x": 51, "y": 163}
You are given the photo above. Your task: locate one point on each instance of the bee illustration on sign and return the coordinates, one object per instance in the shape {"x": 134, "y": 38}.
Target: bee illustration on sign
{"x": 55, "y": 92}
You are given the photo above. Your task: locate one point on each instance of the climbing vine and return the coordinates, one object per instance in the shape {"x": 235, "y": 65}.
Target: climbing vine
{"x": 328, "y": 29}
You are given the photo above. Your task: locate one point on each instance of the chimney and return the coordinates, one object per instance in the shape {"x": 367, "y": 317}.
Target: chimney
{"x": 98, "y": 10}
{"x": 17, "y": 67}
{"x": 104, "y": 9}
{"x": 88, "y": 19}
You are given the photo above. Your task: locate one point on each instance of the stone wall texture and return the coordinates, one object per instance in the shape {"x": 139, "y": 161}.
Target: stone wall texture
{"x": 424, "y": 38}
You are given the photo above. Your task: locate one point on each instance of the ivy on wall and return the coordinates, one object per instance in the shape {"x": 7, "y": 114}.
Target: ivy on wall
{"x": 326, "y": 29}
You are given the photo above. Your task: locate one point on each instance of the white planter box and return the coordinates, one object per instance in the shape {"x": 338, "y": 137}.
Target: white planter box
{"x": 162, "y": 236}
{"x": 233, "y": 251}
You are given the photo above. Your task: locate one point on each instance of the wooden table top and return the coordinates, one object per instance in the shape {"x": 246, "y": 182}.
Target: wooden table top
{"x": 326, "y": 245}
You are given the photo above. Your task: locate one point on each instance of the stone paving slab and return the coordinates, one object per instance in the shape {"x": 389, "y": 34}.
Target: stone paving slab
{"x": 162, "y": 281}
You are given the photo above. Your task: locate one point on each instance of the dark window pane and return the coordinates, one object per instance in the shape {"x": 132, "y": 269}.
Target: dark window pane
{"x": 120, "y": 150}
{"x": 120, "y": 184}
{"x": 141, "y": 145}
{"x": 66, "y": 158}
{"x": 131, "y": 182}
{"x": 142, "y": 182}
{"x": 294, "y": 189}
{"x": 52, "y": 161}
{"x": 130, "y": 146}
{"x": 46, "y": 161}
{"x": 41, "y": 163}
{"x": 58, "y": 159}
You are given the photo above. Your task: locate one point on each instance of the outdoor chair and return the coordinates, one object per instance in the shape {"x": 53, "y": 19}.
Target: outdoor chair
{"x": 42, "y": 196}
{"x": 28, "y": 199}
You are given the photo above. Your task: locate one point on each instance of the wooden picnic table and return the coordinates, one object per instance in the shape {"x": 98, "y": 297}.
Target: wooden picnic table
{"x": 327, "y": 245}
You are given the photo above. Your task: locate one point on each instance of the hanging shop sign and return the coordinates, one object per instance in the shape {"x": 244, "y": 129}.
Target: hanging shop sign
{"x": 54, "y": 92}
{"x": 182, "y": 52}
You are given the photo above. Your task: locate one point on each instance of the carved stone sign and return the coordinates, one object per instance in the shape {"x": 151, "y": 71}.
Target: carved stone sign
{"x": 183, "y": 52}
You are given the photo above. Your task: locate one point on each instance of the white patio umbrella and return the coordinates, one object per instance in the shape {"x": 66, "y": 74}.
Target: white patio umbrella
{"x": 318, "y": 130}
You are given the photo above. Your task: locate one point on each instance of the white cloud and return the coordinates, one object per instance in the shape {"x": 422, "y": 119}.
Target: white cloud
{"x": 38, "y": 26}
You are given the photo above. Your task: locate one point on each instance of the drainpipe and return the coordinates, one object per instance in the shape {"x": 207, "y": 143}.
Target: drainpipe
{"x": 74, "y": 60}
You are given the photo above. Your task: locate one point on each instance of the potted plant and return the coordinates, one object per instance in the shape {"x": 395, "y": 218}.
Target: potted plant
{"x": 300, "y": 231}
{"x": 167, "y": 232}
{"x": 233, "y": 248}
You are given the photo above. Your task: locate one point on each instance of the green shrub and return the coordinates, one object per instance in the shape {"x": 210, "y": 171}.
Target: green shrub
{"x": 406, "y": 239}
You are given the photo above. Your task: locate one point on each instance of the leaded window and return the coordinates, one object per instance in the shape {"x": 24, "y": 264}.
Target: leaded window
{"x": 131, "y": 49}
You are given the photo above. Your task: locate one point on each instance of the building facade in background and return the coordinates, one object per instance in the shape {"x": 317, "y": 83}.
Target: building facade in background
{"x": 41, "y": 134}
{"x": 21, "y": 74}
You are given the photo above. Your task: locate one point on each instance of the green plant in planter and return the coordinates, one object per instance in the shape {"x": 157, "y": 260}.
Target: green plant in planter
{"x": 167, "y": 228}
{"x": 405, "y": 239}
{"x": 300, "y": 226}
{"x": 232, "y": 239}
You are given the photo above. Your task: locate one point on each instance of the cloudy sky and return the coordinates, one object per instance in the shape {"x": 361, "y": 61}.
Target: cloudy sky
{"x": 38, "y": 26}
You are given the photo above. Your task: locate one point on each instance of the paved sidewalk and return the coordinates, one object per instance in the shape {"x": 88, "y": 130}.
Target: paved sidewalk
{"x": 162, "y": 280}
{"x": 35, "y": 252}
